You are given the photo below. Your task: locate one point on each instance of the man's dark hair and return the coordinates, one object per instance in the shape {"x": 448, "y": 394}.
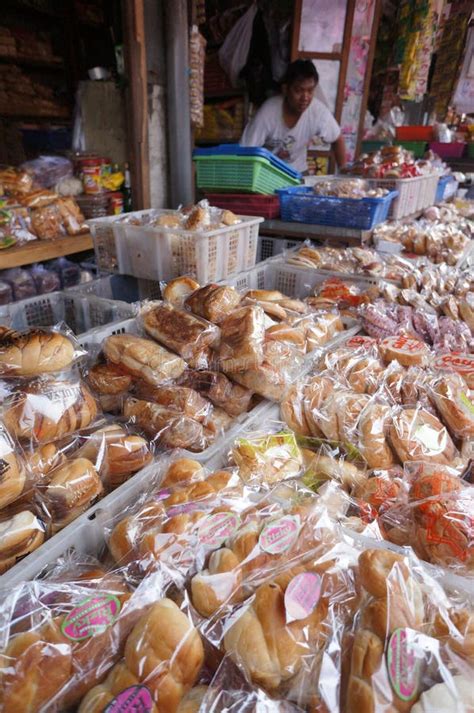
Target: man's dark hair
{"x": 300, "y": 69}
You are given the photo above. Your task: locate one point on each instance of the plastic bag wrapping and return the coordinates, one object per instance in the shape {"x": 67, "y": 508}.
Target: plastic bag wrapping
{"x": 241, "y": 340}
{"x": 48, "y": 408}
{"x": 287, "y": 637}
{"x": 213, "y": 302}
{"x": 416, "y": 434}
{"x": 402, "y": 654}
{"x": 15, "y": 181}
{"x": 264, "y": 458}
{"x": 458, "y": 363}
{"x": 219, "y": 389}
{"x": 22, "y": 531}
{"x": 48, "y": 170}
{"x": 187, "y": 335}
{"x": 37, "y": 351}
{"x": 13, "y": 475}
{"x": 47, "y": 222}
{"x": 163, "y": 527}
{"x": 59, "y": 638}
{"x": 454, "y": 402}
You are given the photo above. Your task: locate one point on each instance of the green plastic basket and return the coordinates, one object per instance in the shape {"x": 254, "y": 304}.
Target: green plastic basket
{"x": 370, "y": 146}
{"x": 247, "y": 174}
{"x": 418, "y": 148}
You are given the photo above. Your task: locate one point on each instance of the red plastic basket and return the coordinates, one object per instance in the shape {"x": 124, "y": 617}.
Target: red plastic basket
{"x": 451, "y": 150}
{"x": 246, "y": 204}
{"x": 414, "y": 133}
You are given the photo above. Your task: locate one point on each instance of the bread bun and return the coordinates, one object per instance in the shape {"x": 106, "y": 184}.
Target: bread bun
{"x": 183, "y": 470}
{"x": 12, "y": 471}
{"x": 315, "y": 394}
{"x": 417, "y": 435}
{"x": 463, "y": 364}
{"x": 116, "y": 454}
{"x": 172, "y": 429}
{"x": 373, "y": 429}
{"x": 454, "y": 403}
{"x": 71, "y": 490}
{"x": 109, "y": 379}
{"x": 19, "y": 535}
{"x": 293, "y": 413}
{"x": 213, "y": 302}
{"x": 34, "y": 353}
{"x": 178, "y": 289}
{"x": 265, "y": 295}
{"x": 407, "y": 350}
{"x": 143, "y": 358}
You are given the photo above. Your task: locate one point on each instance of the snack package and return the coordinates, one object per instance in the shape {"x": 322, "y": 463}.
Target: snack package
{"x": 48, "y": 170}
{"x": 454, "y": 402}
{"x": 213, "y": 302}
{"x": 37, "y": 351}
{"x": 15, "y": 181}
{"x": 403, "y": 657}
{"x": 48, "y": 408}
{"x": 21, "y": 283}
{"x": 39, "y": 198}
{"x": 47, "y": 222}
{"x": 415, "y": 434}
{"x": 187, "y": 335}
{"x": 266, "y": 458}
{"x": 45, "y": 280}
{"x": 241, "y": 340}
{"x": 219, "y": 389}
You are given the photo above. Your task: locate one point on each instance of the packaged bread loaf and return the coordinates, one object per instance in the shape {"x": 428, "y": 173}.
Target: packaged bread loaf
{"x": 34, "y": 352}
{"x": 48, "y": 409}
{"x": 241, "y": 342}
{"x": 213, "y": 302}
{"x": 21, "y": 533}
{"x": 219, "y": 389}
{"x": 12, "y": 470}
{"x": 139, "y": 358}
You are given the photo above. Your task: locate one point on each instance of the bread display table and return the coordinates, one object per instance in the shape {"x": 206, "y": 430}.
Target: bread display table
{"x": 40, "y": 250}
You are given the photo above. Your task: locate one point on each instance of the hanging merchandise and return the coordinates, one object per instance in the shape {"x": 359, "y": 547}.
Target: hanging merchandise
{"x": 197, "y": 57}
{"x": 463, "y": 98}
{"x": 234, "y": 52}
{"x": 415, "y": 47}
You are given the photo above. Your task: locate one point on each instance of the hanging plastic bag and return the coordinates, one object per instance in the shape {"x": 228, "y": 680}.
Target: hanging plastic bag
{"x": 234, "y": 52}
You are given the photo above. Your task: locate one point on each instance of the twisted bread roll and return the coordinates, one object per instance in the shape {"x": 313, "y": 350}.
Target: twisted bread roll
{"x": 71, "y": 490}
{"x": 213, "y": 302}
{"x": 164, "y": 652}
{"x": 19, "y": 535}
{"x": 33, "y": 353}
{"x": 49, "y": 410}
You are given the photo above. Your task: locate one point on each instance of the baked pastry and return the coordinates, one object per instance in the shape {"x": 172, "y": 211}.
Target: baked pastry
{"x": 213, "y": 302}
{"x": 34, "y": 352}
{"x": 373, "y": 430}
{"x": 417, "y": 435}
{"x": 192, "y": 701}
{"x": 407, "y": 350}
{"x": 321, "y": 328}
{"x": 293, "y": 336}
{"x": 179, "y": 330}
{"x": 47, "y": 410}
{"x": 44, "y": 459}
{"x": 338, "y": 415}
{"x": 455, "y": 627}
{"x": 292, "y": 411}
{"x": 182, "y": 471}
{"x": 242, "y": 335}
{"x": 267, "y": 459}
{"x": 109, "y": 379}
{"x": 72, "y": 488}
{"x": 178, "y": 289}
{"x": 365, "y": 374}
{"x": 265, "y": 380}
{"x": 315, "y": 394}
{"x": 220, "y": 390}
{"x": 116, "y": 454}
{"x": 177, "y": 398}
{"x": 171, "y": 429}
{"x": 19, "y": 535}
{"x": 453, "y": 401}
{"x": 164, "y": 652}
{"x": 457, "y": 695}
{"x": 12, "y": 470}
{"x": 143, "y": 358}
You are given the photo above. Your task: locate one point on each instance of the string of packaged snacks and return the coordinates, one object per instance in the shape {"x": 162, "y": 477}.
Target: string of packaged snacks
{"x": 269, "y": 510}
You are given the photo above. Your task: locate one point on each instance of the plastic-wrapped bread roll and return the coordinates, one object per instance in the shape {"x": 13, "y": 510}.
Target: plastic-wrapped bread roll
{"x": 19, "y": 535}
{"x": 179, "y": 398}
{"x": 143, "y": 358}
{"x": 454, "y": 402}
{"x": 109, "y": 379}
{"x": 34, "y": 353}
{"x": 373, "y": 427}
{"x": 213, "y": 302}
{"x": 72, "y": 488}
{"x": 169, "y": 427}
{"x": 163, "y": 653}
{"x": 219, "y": 389}
{"x": 417, "y": 435}
{"x": 12, "y": 470}
{"x": 242, "y": 337}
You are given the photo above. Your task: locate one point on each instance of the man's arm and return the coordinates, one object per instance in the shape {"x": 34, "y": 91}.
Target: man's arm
{"x": 339, "y": 149}
{"x": 255, "y": 133}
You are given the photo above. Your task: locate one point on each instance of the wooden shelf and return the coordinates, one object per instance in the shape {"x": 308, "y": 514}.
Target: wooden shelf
{"x": 39, "y": 62}
{"x": 40, "y": 250}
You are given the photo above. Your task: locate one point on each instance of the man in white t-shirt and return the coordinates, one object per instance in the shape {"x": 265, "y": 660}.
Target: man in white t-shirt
{"x": 285, "y": 124}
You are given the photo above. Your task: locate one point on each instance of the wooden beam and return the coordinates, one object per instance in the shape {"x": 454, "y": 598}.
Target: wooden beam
{"x": 137, "y": 101}
{"x": 295, "y": 40}
{"x": 368, "y": 72}
{"x": 346, "y": 46}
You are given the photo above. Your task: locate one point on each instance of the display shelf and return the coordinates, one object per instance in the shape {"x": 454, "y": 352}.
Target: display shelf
{"x": 40, "y": 250}
{"x": 305, "y": 231}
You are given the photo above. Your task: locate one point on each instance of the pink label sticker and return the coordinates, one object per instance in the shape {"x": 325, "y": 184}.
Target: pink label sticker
{"x": 184, "y": 509}
{"x": 217, "y": 528}
{"x": 91, "y": 617}
{"x": 403, "y": 665}
{"x": 134, "y": 699}
{"x": 163, "y": 494}
{"x": 302, "y": 595}
{"x": 357, "y": 341}
{"x": 279, "y": 535}
{"x": 462, "y": 363}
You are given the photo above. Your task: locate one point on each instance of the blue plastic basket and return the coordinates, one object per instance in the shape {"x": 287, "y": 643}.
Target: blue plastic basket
{"x": 236, "y": 150}
{"x": 302, "y": 205}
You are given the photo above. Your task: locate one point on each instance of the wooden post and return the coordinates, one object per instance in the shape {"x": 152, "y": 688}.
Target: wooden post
{"x": 137, "y": 101}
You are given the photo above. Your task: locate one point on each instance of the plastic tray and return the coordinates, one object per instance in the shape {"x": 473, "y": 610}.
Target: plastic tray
{"x": 253, "y": 151}
{"x": 247, "y": 204}
{"x": 448, "y": 150}
{"x": 81, "y": 312}
{"x": 159, "y": 253}
{"x": 240, "y": 174}
{"x": 414, "y": 133}
{"x": 302, "y": 205}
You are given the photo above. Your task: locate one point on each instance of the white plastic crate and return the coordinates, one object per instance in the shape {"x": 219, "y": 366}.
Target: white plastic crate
{"x": 81, "y": 312}
{"x": 406, "y": 203}
{"x": 270, "y": 247}
{"x": 160, "y": 253}
{"x": 300, "y": 282}
{"x": 427, "y": 194}
{"x": 102, "y": 231}
{"x": 111, "y": 287}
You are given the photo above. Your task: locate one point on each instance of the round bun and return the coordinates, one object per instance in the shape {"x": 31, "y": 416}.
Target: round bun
{"x": 12, "y": 471}
{"x": 19, "y": 535}
{"x": 454, "y": 403}
{"x": 373, "y": 428}
{"x": 315, "y": 395}
{"x": 183, "y": 470}
{"x": 178, "y": 289}
{"x": 417, "y": 435}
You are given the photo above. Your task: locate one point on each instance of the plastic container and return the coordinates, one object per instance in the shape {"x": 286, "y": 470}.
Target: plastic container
{"x": 303, "y": 205}
{"x": 267, "y": 207}
{"x": 414, "y": 194}
{"x": 271, "y": 247}
{"x": 91, "y": 175}
{"x": 414, "y": 133}
{"x": 160, "y": 253}
{"x": 417, "y": 148}
{"x": 237, "y": 174}
{"x": 249, "y": 151}
{"x": 447, "y": 187}
{"x": 103, "y": 235}
{"x": 454, "y": 149}
{"x": 81, "y": 313}
{"x": 121, "y": 287}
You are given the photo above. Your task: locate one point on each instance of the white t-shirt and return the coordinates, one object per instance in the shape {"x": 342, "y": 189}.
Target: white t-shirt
{"x": 268, "y": 129}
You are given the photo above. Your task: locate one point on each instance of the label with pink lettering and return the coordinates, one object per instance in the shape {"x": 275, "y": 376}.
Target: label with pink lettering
{"x": 302, "y": 595}
{"x": 404, "y": 668}
{"x": 462, "y": 363}
{"x": 134, "y": 699}
{"x": 217, "y": 528}
{"x": 184, "y": 509}
{"x": 358, "y": 341}
{"x": 91, "y": 617}
{"x": 279, "y": 535}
